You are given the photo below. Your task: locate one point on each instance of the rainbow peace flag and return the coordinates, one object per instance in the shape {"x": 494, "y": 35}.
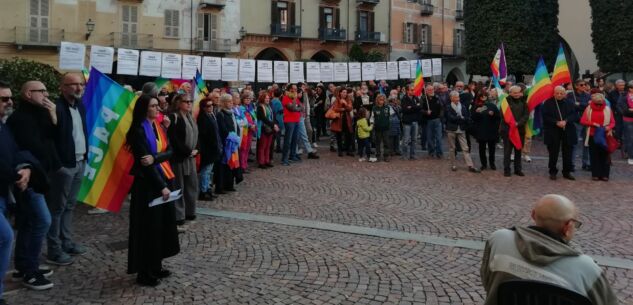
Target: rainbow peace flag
{"x": 508, "y": 117}
{"x": 86, "y": 74}
{"x": 561, "y": 74}
{"x": 109, "y": 106}
{"x": 200, "y": 92}
{"x": 418, "y": 85}
{"x": 498, "y": 66}
{"x": 540, "y": 91}
{"x": 173, "y": 85}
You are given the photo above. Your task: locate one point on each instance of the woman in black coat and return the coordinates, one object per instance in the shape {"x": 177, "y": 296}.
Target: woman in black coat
{"x": 210, "y": 147}
{"x": 227, "y": 123}
{"x": 153, "y": 235}
{"x": 486, "y": 118}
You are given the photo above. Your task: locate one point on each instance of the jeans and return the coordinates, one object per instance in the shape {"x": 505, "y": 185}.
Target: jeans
{"x": 581, "y": 130}
{"x": 364, "y": 147}
{"x": 627, "y": 139}
{"x": 206, "y": 176}
{"x": 32, "y": 222}
{"x": 408, "y": 139}
{"x": 434, "y": 137}
{"x": 302, "y": 135}
{"x": 62, "y": 198}
{"x": 6, "y": 238}
{"x": 290, "y": 142}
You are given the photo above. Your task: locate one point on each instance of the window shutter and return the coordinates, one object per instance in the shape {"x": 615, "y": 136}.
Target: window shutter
{"x": 337, "y": 18}
{"x": 370, "y": 20}
{"x": 175, "y": 22}
{"x": 35, "y": 7}
{"x": 358, "y": 21}
{"x": 429, "y": 36}
{"x": 125, "y": 13}
{"x": 417, "y": 28}
{"x": 322, "y": 23}
{"x": 200, "y": 26}
{"x": 134, "y": 14}
{"x": 44, "y": 8}
{"x": 405, "y": 37}
{"x": 214, "y": 26}
{"x": 167, "y": 23}
{"x": 291, "y": 13}
{"x": 274, "y": 13}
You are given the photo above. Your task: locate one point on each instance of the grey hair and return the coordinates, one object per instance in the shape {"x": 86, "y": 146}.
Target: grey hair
{"x": 620, "y": 81}
{"x": 630, "y": 84}
{"x": 559, "y": 88}
{"x": 514, "y": 87}
{"x": 226, "y": 98}
{"x": 453, "y": 93}
{"x": 150, "y": 88}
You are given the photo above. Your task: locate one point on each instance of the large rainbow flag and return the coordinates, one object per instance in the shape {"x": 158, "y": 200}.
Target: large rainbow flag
{"x": 561, "y": 74}
{"x": 498, "y": 66}
{"x": 172, "y": 85}
{"x": 200, "y": 91}
{"x": 540, "y": 91}
{"x": 109, "y": 106}
{"x": 508, "y": 117}
{"x": 418, "y": 85}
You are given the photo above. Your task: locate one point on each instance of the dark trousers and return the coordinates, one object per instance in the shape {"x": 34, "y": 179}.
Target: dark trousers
{"x": 343, "y": 141}
{"x": 559, "y": 142}
{"x": 508, "y": 147}
{"x": 491, "y": 153}
{"x": 422, "y": 131}
{"x": 320, "y": 125}
{"x": 382, "y": 139}
{"x": 223, "y": 177}
{"x": 364, "y": 147}
{"x": 600, "y": 160}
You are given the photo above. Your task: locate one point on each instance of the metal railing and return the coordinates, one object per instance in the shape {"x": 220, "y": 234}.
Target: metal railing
{"x": 427, "y": 9}
{"x": 38, "y": 36}
{"x": 284, "y": 30}
{"x": 213, "y": 3}
{"x": 213, "y": 45}
{"x": 364, "y": 36}
{"x": 459, "y": 15}
{"x": 132, "y": 40}
{"x": 368, "y": 1}
{"x": 332, "y": 34}
{"x": 445, "y": 50}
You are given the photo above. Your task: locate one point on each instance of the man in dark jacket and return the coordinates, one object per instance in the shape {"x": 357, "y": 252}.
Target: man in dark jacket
{"x": 614, "y": 96}
{"x": 559, "y": 116}
{"x": 519, "y": 110}
{"x": 457, "y": 121}
{"x": 71, "y": 146}
{"x": 543, "y": 252}
{"x": 431, "y": 112}
{"x": 410, "y": 118}
{"x": 33, "y": 125}
{"x": 580, "y": 98}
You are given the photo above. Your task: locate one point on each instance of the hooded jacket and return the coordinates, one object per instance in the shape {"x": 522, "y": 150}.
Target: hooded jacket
{"x": 534, "y": 254}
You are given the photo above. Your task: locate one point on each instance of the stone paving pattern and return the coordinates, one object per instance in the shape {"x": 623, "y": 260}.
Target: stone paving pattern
{"x": 225, "y": 261}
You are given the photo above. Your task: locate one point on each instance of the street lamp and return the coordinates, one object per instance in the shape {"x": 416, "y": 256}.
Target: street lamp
{"x": 90, "y": 26}
{"x": 242, "y": 35}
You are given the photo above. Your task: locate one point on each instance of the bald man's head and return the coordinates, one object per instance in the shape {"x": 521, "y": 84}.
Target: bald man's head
{"x": 557, "y": 214}
{"x": 34, "y": 92}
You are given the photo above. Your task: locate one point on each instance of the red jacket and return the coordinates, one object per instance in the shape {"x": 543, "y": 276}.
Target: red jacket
{"x": 595, "y": 114}
{"x": 291, "y": 116}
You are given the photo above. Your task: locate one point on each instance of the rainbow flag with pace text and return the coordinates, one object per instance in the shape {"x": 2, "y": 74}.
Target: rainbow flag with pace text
{"x": 109, "y": 106}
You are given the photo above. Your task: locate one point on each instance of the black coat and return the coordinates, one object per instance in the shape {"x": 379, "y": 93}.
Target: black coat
{"x": 34, "y": 131}
{"x": 486, "y": 126}
{"x": 453, "y": 120}
{"x": 519, "y": 109}
{"x": 226, "y": 125}
{"x": 64, "y": 142}
{"x": 410, "y": 109}
{"x": 434, "y": 105}
{"x": 553, "y": 133}
{"x": 177, "y": 134}
{"x": 12, "y": 159}
{"x": 208, "y": 139}
{"x": 153, "y": 234}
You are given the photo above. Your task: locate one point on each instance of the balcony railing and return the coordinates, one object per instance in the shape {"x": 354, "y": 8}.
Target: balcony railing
{"x": 213, "y": 45}
{"x": 332, "y": 34}
{"x": 38, "y": 36}
{"x": 459, "y": 15}
{"x": 368, "y": 1}
{"x": 132, "y": 40}
{"x": 427, "y": 9}
{"x": 219, "y": 4}
{"x": 427, "y": 49}
{"x": 363, "y": 36}
{"x": 284, "y": 30}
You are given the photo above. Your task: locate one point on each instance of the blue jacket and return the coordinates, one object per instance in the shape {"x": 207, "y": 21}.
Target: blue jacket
{"x": 64, "y": 142}
{"x": 583, "y": 100}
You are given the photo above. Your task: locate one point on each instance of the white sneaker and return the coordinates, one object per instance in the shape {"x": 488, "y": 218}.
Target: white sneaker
{"x": 362, "y": 160}
{"x": 315, "y": 145}
{"x": 630, "y": 162}
{"x": 527, "y": 158}
{"x": 96, "y": 211}
{"x": 499, "y": 146}
{"x": 372, "y": 159}
{"x": 512, "y": 157}
{"x": 299, "y": 151}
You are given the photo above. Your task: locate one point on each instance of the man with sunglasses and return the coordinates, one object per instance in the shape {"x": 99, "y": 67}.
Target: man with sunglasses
{"x": 581, "y": 99}
{"x": 543, "y": 252}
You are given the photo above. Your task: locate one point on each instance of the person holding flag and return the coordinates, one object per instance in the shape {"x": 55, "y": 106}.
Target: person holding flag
{"x": 516, "y": 114}
{"x": 410, "y": 117}
{"x": 559, "y": 116}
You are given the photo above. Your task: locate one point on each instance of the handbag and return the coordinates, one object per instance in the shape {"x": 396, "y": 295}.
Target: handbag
{"x": 267, "y": 129}
{"x": 331, "y": 114}
{"x": 612, "y": 143}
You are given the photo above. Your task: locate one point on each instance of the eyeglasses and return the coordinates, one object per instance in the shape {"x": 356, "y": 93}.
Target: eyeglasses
{"x": 5, "y": 99}
{"x": 186, "y": 101}
{"x": 577, "y": 223}
{"x": 39, "y": 90}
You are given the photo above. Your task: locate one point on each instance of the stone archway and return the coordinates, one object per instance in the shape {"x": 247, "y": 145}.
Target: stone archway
{"x": 455, "y": 75}
{"x": 401, "y": 59}
{"x": 322, "y": 56}
{"x": 271, "y": 54}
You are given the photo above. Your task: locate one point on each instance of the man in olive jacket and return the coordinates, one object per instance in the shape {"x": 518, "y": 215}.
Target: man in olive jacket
{"x": 519, "y": 109}
{"x": 543, "y": 253}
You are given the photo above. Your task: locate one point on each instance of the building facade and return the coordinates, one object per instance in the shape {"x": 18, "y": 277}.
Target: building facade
{"x": 33, "y": 29}
{"x": 315, "y": 30}
{"x": 430, "y": 29}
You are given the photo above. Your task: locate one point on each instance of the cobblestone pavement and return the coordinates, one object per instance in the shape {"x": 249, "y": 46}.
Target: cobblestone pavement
{"x": 227, "y": 261}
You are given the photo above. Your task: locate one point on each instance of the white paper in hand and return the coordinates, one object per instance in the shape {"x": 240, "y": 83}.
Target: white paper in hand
{"x": 175, "y": 195}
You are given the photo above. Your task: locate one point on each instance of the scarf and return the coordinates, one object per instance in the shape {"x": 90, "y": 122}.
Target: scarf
{"x": 157, "y": 140}
{"x": 458, "y": 108}
{"x": 268, "y": 114}
{"x": 191, "y": 139}
{"x": 601, "y": 116}
{"x": 629, "y": 104}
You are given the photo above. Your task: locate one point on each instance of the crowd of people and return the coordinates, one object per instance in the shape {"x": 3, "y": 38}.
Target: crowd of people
{"x": 44, "y": 148}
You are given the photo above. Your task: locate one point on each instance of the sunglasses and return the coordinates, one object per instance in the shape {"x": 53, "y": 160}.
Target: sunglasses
{"x": 5, "y": 99}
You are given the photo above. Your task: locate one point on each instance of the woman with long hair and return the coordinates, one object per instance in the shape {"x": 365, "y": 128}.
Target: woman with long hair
{"x": 153, "y": 235}
{"x": 266, "y": 128}
{"x": 208, "y": 141}
{"x": 342, "y": 125}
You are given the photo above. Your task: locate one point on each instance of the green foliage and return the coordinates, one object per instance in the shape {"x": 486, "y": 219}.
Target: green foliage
{"x": 356, "y": 54}
{"x": 611, "y": 34}
{"x": 527, "y": 28}
{"x": 374, "y": 55}
{"x": 17, "y": 71}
